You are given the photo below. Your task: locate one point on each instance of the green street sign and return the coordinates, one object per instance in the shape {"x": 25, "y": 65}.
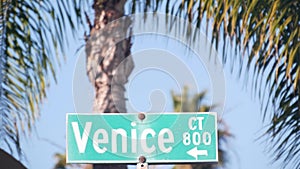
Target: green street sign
{"x": 124, "y": 137}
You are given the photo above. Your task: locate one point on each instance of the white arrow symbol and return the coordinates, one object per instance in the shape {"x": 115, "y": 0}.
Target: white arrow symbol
{"x": 195, "y": 152}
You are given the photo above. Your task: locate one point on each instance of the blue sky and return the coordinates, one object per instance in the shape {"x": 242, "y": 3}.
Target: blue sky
{"x": 149, "y": 90}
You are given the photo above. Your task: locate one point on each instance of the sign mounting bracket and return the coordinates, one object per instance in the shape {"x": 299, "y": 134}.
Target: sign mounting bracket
{"x": 142, "y": 163}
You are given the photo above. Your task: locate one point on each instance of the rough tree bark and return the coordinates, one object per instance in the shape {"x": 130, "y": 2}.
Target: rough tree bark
{"x": 108, "y": 64}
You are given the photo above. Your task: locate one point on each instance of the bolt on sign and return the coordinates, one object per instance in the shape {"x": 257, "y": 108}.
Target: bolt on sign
{"x": 124, "y": 137}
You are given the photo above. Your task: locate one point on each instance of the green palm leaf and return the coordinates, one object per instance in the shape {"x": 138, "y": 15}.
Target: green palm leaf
{"x": 265, "y": 36}
{"x": 30, "y": 31}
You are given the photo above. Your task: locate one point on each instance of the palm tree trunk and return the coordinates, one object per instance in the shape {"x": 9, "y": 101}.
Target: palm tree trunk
{"x": 104, "y": 56}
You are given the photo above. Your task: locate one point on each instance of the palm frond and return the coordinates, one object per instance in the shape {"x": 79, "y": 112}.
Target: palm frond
{"x": 31, "y": 30}
{"x": 264, "y": 35}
